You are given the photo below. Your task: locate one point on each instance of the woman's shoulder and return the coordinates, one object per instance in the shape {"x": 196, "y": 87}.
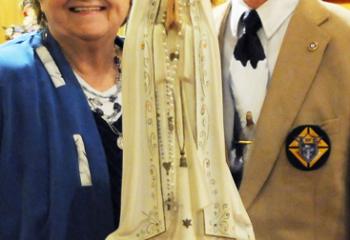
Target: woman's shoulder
{"x": 19, "y": 49}
{"x": 18, "y": 55}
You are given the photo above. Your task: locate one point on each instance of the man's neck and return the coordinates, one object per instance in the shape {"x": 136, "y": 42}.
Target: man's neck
{"x": 254, "y": 4}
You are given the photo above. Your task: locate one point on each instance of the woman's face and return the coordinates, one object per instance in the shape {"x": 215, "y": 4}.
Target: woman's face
{"x": 85, "y": 19}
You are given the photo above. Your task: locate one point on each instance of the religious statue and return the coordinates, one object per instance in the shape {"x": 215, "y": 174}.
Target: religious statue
{"x": 176, "y": 182}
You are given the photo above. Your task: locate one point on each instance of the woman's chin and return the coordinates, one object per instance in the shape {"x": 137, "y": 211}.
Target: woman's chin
{"x": 94, "y": 35}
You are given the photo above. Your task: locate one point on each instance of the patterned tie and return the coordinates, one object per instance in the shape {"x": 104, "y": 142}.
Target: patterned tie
{"x": 248, "y": 46}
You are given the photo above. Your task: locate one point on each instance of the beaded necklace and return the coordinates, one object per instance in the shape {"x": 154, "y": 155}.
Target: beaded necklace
{"x": 101, "y": 103}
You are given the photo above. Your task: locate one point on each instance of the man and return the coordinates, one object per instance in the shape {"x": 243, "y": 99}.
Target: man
{"x": 286, "y": 107}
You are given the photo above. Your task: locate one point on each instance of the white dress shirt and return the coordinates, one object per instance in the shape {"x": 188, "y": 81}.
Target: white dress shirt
{"x": 249, "y": 85}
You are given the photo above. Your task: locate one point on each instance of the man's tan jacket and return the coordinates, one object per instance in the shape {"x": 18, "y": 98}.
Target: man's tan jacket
{"x": 310, "y": 86}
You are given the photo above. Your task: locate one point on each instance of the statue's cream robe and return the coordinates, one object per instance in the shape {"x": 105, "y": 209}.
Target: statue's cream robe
{"x": 172, "y": 105}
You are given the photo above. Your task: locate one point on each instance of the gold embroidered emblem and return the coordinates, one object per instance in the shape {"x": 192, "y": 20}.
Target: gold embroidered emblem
{"x": 308, "y": 147}
{"x": 187, "y": 222}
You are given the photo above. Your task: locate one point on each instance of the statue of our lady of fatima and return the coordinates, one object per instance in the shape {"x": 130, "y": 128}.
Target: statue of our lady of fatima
{"x": 176, "y": 183}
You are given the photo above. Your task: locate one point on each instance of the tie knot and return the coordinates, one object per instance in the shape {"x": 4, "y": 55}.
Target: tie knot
{"x": 252, "y": 22}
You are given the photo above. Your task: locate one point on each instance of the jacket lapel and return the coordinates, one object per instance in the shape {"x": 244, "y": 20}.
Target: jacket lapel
{"x": 221, "y": 15}
{"x": 295, "y": 70}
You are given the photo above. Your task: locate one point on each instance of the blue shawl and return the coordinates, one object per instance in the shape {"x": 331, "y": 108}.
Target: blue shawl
{"x": 41, "y": 193}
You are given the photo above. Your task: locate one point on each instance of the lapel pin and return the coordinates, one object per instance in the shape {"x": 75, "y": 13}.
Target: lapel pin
{"x": 313, "y": 46}
{"x": 308, "y": 147}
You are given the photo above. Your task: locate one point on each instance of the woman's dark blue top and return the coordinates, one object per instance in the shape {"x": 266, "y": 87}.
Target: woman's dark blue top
{"x": 114, "y": 159}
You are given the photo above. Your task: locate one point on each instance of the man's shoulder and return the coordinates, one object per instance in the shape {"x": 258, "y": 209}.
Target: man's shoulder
{"x": 338, "y": 14}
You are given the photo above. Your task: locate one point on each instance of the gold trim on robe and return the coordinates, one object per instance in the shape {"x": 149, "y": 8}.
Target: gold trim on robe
{"x": 176, "y": 183}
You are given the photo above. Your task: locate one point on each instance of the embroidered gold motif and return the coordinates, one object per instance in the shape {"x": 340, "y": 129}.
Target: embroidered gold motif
{"x": 308, "y": 147}
{"x": 220, "y": 223}
{"x": 167, "y": 166}
{"x": 152, "y": 225}
{"x": 187, "y": 223}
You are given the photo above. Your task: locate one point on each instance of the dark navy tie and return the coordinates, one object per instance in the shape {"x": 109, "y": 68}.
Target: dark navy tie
{"x": 248, "y": 46}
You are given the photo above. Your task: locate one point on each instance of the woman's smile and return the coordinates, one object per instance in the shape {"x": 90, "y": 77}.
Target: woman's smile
{"x": 84, "y": 19}
{"x": 87, "y": 9}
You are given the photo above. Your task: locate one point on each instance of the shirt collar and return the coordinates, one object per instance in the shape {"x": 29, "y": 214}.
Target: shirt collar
{"x": 272, "y": 14}
{"x": 238, "y": 8}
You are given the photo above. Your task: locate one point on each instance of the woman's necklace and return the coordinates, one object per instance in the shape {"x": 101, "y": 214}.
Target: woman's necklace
{"x": 107, "y": 106}
{"x": 120, "y": 141}
{"x": 119, "y": 134}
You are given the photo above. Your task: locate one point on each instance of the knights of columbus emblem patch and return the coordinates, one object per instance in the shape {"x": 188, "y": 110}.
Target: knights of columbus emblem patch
{"x": 308, "y": 147}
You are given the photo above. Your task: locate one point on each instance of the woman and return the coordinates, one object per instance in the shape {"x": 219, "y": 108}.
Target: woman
{"x": 59, "y": 124}
{"x": 177, "y": 185}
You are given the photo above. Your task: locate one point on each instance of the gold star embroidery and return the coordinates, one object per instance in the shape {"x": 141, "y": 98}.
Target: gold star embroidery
{"x": 187, "y": 222}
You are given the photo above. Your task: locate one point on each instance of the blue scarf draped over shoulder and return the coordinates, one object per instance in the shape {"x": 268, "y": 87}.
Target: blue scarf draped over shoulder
{"x": 41, "y": 194}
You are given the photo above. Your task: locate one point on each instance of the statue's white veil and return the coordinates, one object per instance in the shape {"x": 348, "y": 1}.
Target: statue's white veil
{"x": 176, "y": 183}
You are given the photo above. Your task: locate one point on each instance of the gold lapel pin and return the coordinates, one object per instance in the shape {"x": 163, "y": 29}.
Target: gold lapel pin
{"x": 313, "y": 46}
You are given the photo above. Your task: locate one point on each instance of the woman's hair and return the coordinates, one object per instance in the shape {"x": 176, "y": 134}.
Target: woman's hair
{"x": 37, "y": 8}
